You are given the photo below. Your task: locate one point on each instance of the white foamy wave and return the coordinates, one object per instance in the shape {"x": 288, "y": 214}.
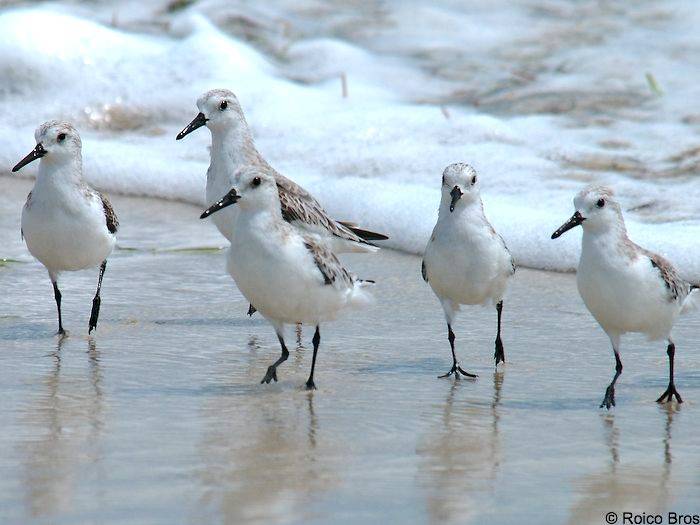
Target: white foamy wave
{"x": 538, "y": 113}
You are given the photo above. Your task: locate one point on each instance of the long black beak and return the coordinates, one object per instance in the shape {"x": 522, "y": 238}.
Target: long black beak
{"x": 456, "y": 194}
{"x": 198, "y": 121}
{"x": 36, "y": 153}
{"x": 574, "y": 221}
{"x": 230, "y": 198}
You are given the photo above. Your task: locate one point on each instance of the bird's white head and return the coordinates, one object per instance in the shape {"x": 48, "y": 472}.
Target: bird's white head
{"x": 460, "y": 186}
{"x": 596, "y": 210}
{"x": 56, "y": 143}
{"x": 219, "y": 110}
{"x": 253, "y": 190}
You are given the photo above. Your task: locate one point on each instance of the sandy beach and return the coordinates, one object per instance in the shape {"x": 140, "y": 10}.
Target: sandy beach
{"x": 160, "y": 417}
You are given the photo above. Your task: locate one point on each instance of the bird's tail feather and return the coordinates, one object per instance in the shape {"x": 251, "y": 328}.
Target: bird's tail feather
{"x": 692, "y": 301}
{"x": 360, "y": 295}
{"x": 367, "y": 235}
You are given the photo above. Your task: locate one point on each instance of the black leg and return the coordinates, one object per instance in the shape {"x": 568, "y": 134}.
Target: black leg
{"x": 272, "y": 369}
{"x": 95, "y": 313}
{"x": 57, "y": 296}
{"x": 251, "y": 310}
{"x": 609, "y": 399}
{"x": 316, "y": 340}
{"x": 456, "y": 369}
{"x": 671, "y": 391}
{"x": 499, "y": 355}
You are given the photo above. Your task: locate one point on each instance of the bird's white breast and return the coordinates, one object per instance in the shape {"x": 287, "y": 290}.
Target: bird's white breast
{"x": 277, "y": 274}
{"x": 466, "y": 263}
{"x": 65, "y": 228}
{"x": 624, "y": 293}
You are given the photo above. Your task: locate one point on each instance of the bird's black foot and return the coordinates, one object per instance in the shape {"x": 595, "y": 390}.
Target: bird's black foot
{"x": 251, "y": 310}
{"x": 94, "y": 314}
{"x": 667, "y": 396}
{"x": 61, "y": 331}
{"x": 310, "y": 385}
{"x": 458, "y": 372}
{"x": 270, "y": 376}
{"x": 499, "y": 355}
{"x": 609, "y": 399}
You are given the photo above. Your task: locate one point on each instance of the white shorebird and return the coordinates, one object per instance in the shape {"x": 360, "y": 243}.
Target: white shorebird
{"x": 625, "y": 287}
{"x": 66, "y": 224}
{"x": 466, "y": 261}
{"x": 233, "y": 148}
{"x": 288, "y": 275}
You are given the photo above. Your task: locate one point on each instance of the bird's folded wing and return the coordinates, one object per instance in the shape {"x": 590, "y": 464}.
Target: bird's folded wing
{"x": 303, "y": 207}
{"x": 503, "y": 242}
{"x": 677, "y": 288}
{"x": 110, "y": 216}
{"x": 333, "y": 272}
{"x": 26, "y": 205}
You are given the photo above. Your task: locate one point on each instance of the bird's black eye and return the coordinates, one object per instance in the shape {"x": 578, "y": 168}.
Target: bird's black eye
{"x": 223, "y": 105}
{"x": 256, "y": 181}
{"x": 474, "y": 179}
{"x": 600, "y": 203}
{"x": 61, "y": 137}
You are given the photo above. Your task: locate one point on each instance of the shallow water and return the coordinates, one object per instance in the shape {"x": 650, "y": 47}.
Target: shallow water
{"x": 160, "y": 417}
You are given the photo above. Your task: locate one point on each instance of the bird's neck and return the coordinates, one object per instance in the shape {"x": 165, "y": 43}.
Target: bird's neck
{"x": 59, "y": 175}
{"x": 463, "y": 209}
{"x": 233, "y": 147}
{"x": 260, "y": 221}
{"x": 610, "y": 240}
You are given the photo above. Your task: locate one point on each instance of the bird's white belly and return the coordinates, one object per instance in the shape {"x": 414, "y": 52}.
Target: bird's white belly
{"x": 281, "y": 291}
{"x": 469, "y": 274}
{"x": 63, "y": 241}
{"x": 623, "y": 300}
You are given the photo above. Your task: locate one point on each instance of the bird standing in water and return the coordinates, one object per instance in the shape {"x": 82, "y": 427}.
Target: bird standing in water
{"x": 290, "y": 276}
{"x": 625, "y": 287}
{"x": 466, "y": 261}
{"x": 66, "y": 224}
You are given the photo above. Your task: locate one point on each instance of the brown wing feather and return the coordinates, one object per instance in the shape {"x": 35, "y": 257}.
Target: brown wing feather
{"x": 333, "y": 272}
{"x": 110, "y": 216}
{"x": 677, "y": 287}
{"x": 297, "y": 206}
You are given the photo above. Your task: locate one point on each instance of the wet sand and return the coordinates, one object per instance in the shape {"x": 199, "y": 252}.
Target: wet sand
{"x": 160, "y": 417}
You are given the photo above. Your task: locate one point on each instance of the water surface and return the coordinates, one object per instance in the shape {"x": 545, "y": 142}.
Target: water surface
{"x": 160, "y": 417}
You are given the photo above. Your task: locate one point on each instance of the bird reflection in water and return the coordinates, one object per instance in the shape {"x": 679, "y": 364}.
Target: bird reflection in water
{"x": 68, "y": 415}
{"x": 460, "y": 456}
{"x": 265, "y": 460}
{"x": 624, "y": 484}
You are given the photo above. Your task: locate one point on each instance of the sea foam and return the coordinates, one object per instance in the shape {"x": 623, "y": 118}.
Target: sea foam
{"x": 376, "y": 156}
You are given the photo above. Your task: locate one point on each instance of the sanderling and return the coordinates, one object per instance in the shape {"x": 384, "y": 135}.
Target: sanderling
{"x": 625, "y": 287}
{"x": 288, "y": 275}
{"x": 66, "y": 224}
{"x": 466, "y": 261}
{"x": 233, "y": 147}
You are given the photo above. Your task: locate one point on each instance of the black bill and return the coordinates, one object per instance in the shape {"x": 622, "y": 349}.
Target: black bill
{"x": 230, "y": 198}
{"x": 198, "y": 121}
{"x": 36, "y": 153}
{"x": 456, "y": 194}
{"x": 574, "y": 221}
